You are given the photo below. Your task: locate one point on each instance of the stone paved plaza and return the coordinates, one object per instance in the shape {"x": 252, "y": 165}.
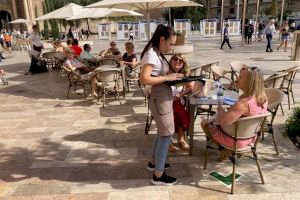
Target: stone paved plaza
{"x": 52, "y": 147}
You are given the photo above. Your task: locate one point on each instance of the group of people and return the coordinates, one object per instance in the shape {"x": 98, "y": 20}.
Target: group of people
{"x": 268, "y": 30}
{"x": 165, "y": 101}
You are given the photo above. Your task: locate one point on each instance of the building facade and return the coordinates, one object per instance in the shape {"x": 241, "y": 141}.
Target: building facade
{"x": 231, "y": 10}
{"x": 14, "y": 9}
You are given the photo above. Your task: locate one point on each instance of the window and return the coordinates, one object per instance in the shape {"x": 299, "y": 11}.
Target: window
{"x": 232, "y": 2}
{"x": 231, "y": 11}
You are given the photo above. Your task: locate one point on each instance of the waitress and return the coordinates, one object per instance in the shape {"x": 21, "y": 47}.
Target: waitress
{"x": 155, "y": 72}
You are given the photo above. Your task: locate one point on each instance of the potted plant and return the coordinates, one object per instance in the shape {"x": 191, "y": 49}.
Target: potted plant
{"x": 179, "y": 38}
{"x": 293, "y": 127}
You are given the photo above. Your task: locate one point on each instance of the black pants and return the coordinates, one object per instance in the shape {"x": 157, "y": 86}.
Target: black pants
{"x": 269, "y": 39}
{"x": 39, "y": 49}
{"x": 130, "y": 38}
{"x": 227, "y": 41}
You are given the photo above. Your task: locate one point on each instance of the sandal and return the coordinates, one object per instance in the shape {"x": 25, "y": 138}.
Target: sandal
{"x": 172, "y": 148}
{"x": 183, "y": 145}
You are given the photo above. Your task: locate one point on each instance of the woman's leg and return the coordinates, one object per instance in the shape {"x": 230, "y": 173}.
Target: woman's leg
{"x": 280, "y": 45}
{"x": 161, "y": 153}
{"x": 155, "y": 142}
{"x": 181, "y": 140}
{"x": 285, "y": 45}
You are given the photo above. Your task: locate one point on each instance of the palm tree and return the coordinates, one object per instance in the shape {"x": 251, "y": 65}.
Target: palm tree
{"x": 274, "y": 11}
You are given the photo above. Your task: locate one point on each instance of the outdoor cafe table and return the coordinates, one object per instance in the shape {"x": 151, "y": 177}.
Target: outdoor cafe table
{"x": 194, "y": 102}
{"x": 121, "y": 69}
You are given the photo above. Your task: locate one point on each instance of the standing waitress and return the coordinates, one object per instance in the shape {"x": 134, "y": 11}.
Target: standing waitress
{"x": 155, "y": 72}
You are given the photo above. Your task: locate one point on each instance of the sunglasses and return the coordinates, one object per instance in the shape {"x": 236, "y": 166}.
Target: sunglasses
{"x": 177, "y": 59}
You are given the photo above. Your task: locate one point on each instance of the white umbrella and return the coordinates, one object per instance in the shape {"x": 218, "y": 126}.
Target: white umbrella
{"x": 20, "y": 21}
{"x": 65, "y": 12}
{"x": 143, "y": 5}
{"x": 89, "y": 13}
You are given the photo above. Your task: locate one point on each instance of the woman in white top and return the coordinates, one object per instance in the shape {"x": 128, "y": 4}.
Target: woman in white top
{"x": 155, "y": 72}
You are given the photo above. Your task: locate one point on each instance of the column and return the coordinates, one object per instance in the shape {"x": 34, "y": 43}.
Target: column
{"x": 14, "y": 9}
{"x": 25, "y": 4}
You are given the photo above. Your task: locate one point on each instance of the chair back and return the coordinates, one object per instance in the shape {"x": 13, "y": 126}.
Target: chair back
{"x": 108, "y": 61}
{"x": 275, "y": 81}
{"x": 245, "y": 127}
{"x": 274, "y": 96}
{"x": 107, "y": 76}
{"x": 196, "y": 71}
{"x": 33, "y": 53}
{"x": 218, "y": 72}
{"x": 49, "y": 55}
{"x": 206, "y": 69}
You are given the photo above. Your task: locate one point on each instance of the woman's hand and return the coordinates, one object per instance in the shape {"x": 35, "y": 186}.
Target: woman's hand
{"x": 173, "y": 76}
{"x": 220, "y": 110}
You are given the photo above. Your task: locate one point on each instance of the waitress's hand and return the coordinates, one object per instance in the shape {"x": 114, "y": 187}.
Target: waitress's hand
{"x": 173, "y": 76}
{"x": 220, "y": 110}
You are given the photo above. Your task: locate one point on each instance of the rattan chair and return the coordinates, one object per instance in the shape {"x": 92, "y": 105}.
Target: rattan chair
{"x": 134, "y": 76}
{"x": 196, "y": 70}
{"x": 219, "y": 74}
{"x": 275, "y": 97}
{"x": 107, "y": 82}
{"x": 206, "y": 69}
{"x": 244, "y": 128}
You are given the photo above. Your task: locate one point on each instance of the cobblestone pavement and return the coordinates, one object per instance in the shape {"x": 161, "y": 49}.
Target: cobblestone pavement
{"x": 52, "y": 147}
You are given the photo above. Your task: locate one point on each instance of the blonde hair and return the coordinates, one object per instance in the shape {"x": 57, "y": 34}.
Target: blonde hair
{"x": 255, "y": 85}
{"x": 130, "y": 46}
{"x": 185, "y": 70}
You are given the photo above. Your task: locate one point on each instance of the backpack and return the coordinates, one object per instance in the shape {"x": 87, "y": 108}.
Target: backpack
{"x": 37, "y": 66}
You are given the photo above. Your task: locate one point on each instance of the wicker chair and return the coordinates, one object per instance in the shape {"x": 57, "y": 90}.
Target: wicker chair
{"x": 107, "y": 81}
{"x": 49, "y": 59}
{"x": 236, "y": 67}
{"x": 244, "y": 128}
{"x": 75, "y": 79}
{"x": 219, "y": 73}
{"x": 134, "y": 76}
{"x": 206, "y": 69}
{"x": 275, "y": 97}
{"x": 196, "y": 70}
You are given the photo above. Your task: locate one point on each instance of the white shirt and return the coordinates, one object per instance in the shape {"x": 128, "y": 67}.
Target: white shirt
{"x": 35, "y": 39}
{"x": 160, "y": 66}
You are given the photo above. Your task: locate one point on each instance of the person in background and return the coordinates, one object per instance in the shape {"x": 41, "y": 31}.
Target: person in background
{"x": 284, "y": 39}
{"x": 250, "y": 32}
{"x": 226, "y": 37}
{"x": 88, "y": 56}
{"x": 87, "y": 34}
{"x": 35, "y": 40}
{"x": 260, "y": 31}
{"x": 69, "y": 42}
{"x": 2, "y": 40}
{"x": 269, "y": 31}
{"x": 129, "y": 58}
{"x": 113, "y": 51}
{"x": 253, "y": 101}
{"x": 155, "y": 72}
{"x": 131, "y": 33}
{"x": 58, "y": 47}
{"x": 76, "y": 48}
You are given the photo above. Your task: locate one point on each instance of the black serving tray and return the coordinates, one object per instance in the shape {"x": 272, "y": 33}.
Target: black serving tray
{"x": 188, "y": 79}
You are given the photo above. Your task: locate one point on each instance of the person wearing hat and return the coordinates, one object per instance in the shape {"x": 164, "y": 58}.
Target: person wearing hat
{"x": 226, "y": 37}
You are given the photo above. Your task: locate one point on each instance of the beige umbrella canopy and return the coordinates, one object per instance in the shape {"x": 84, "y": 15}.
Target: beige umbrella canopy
{"x": 20, "y": 21}
{"x": 65, "y": 12}
{"x": 89, "y": 13}
{"x": 143, "y": 5}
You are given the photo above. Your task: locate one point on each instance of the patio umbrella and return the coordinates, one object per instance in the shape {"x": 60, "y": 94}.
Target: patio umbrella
{"x": 65, "y": 12}
{"x": 89, "y": 13}
{"x": 20, "y": 21}
{"x": 143, "y": 5}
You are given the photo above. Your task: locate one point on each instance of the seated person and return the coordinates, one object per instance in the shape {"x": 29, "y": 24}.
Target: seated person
{"x": 253, "y": 101}
{"x": 69, "y": 42}
{"x": 58, "y": 47}
{"x": 87, "y": 55}
{"x": 113, "y": 51}
{"x": 178, "y": 64}
{"x": 80, "y": 69}
{"x": 3, "y": 80}
{"x": 129, "y": 58}
{"x": 76, "y": 48}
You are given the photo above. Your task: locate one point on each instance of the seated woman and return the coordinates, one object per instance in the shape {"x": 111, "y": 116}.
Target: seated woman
{"x": 113, "y": 51}
{"x": 178, "y": 64}
{"x": 58, "y": 47}
{"x": 80, "y": 69}
{"x": 129, "y": 58}
{"x": 253, "y": 101}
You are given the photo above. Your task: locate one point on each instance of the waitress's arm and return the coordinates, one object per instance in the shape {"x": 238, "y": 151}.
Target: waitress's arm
{"x": 147, "y": 79}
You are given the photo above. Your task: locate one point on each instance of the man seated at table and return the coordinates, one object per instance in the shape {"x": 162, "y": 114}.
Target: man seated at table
{"x": 253, "y": 101}
{"x": 88, "y": 56}
{"x": 113, "y": 51}
{"x": 76, "y": 48}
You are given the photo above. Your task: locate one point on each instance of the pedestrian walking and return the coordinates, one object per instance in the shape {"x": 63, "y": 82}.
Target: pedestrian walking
{"x": 284, "y": 39}
{"x": 226, "y": 37}
{"x": 131, "y": 33}
{"x": 269, "y": 31}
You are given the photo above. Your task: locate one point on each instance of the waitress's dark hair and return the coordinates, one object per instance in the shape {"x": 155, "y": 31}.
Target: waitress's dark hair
{"x": 161, "y": 31}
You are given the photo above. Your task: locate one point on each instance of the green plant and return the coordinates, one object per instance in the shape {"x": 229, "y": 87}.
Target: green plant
{"x": 178, "y": 33}
{"x": 293, "y": 126}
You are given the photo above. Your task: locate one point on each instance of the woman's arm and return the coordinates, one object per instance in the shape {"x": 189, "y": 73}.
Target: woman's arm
{"x": 130, "y": 63}
{"x": 233, "y": 114}
{"x": 147, "y": 79}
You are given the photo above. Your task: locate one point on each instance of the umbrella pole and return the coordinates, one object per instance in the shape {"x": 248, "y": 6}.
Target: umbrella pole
{"x": 88, "y": 25}
{"x": 109, "y": 28}
{"x": 148, "y": 21}
{"x": 222, "y": 19}
{"x": 170, "y": 17}
{"x": 281, "y": 18}
{"x": 256, "y": 17}
{"x": 243, "y": 23}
